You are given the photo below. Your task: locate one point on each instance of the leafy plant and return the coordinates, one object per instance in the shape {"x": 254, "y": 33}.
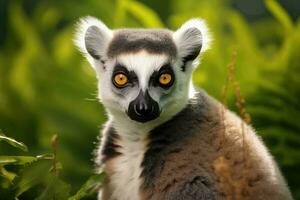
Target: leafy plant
{"x": 46, "y": 86}
{"x": 32, "y": 173}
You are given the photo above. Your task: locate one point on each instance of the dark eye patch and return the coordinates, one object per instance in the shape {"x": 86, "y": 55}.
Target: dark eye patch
{"x": 165, "y": 69}
{"x": 131, "y": 75}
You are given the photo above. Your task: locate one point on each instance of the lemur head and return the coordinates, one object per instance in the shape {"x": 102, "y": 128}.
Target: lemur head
{"x": 144, "y": 74}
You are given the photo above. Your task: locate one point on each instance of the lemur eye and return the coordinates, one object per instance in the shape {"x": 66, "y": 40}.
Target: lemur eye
{"x": 165, "y": 79}
{"x": 120, "y": 80}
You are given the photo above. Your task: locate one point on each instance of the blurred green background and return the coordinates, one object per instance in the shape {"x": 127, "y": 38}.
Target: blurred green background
{"x": 47, "y": 87}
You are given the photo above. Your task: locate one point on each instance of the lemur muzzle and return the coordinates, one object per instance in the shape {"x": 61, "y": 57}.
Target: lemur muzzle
{"x": 143, "y": 108}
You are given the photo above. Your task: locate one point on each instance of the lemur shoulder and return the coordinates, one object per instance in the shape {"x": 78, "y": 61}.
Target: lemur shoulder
{"x": 163, "y": 138}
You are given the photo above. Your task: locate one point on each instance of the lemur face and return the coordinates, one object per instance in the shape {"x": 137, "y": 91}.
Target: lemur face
{"x": 141, "y": 84}
{"x": 144, "y": 74}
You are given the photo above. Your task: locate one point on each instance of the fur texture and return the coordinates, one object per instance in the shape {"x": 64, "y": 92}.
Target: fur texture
{"x": 155, "y": 41}
{"x": 195, "y": 149}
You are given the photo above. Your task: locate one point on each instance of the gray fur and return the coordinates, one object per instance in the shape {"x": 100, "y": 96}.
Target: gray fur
{"x": 193, "y": 35}
{"x": 91, "y": 41}
{"x": 188, "y": 158}
{"x": 95, "y": 40}
{"x": 155, "y": 41}
{"x": 169, "y": 138}
{"x": 172, "y": 139}
{"x": 197, "y": 188}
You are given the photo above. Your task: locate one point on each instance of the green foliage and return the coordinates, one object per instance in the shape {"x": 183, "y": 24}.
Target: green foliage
{"x": 146, "y": 16}
{"x": 39, "y": 171}
{"x": 19, "y": 160}
{"x": 280, "y": 14}
{"x": 55, "y": 189}
{"x": 13, "y": 142}
{"x": 29, "y": 177}
{"x": 46, "y": 86}
{"x": 89, "y": 186}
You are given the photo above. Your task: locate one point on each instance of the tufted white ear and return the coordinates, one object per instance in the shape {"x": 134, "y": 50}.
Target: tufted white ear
{"x": 92, "y": 38}
{"x": 191, "y": 38}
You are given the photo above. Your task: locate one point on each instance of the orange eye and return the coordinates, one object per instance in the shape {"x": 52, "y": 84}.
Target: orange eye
{"x": 165, "y": 79}
{"x": 120, "y": 80}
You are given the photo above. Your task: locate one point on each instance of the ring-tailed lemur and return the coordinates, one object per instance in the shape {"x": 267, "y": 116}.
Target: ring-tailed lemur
{"x": 163, "y": 138}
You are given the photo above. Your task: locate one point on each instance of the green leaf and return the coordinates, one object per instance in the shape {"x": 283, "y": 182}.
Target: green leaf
{"x": 144, "y": 14}
{"x": 13, "y": 142}
{"x": 280, "y": 14}
{"x": 120, "y": 12}
{"x": 91, "y": 183}
{"x": 30, "y": 176}
{"x": 16, "y": 160}
{"x": 6, "y": 174}
{"x": 22, "y": 160}
{"x": 55, "y": 190}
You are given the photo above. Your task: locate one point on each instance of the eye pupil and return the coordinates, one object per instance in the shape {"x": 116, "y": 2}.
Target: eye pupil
{"x": 165, "y": 79}
{"x": 120, "y": 80}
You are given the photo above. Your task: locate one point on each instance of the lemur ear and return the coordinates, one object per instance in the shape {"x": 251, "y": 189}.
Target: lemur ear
{"x": 92, "y": 38}
{"x": 191, "y": 39}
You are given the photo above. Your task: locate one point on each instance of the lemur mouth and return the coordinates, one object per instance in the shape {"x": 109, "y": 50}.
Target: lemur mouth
{"x": 143, "y": 108}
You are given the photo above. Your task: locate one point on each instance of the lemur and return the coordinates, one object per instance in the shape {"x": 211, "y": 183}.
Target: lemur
{"x": 164, "y": 139}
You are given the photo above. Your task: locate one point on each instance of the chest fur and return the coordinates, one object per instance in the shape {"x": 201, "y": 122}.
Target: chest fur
{"x": 125, "y": 170}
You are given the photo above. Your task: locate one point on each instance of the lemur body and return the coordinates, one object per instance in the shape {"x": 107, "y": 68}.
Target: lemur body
{"x": 164, "y": 139}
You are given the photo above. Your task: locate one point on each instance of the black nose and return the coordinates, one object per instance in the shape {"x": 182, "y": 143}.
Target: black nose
{"x": 143, "y": 108}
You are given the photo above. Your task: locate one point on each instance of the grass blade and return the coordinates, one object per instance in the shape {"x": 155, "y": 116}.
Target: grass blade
{"x": 91, "y": 183}
{"x": 13, "y": 142}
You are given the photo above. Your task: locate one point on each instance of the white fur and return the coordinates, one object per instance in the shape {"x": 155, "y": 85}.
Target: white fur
{"x": 126, "y": 179}
{"x": 102, "y": 39}
{"x": 185, "y": 42}
{"x": 143, "y": 64}
{"x": 116, "y": 106}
